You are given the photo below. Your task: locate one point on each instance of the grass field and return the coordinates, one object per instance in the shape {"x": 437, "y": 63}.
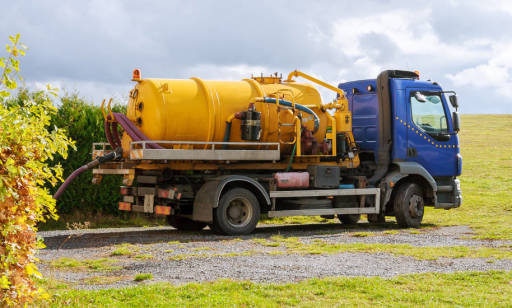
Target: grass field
{"x": 469, "y": 289}
{"x": 486, "y": 181}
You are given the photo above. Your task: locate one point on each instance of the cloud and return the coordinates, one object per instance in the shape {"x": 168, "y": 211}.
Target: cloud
{"x": 91, "y": 91}
{"x": 93, "y": 46}
{"x": 494, "y": 75}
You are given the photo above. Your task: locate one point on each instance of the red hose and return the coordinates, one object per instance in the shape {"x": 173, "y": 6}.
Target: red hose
{"x": 133, "y": 131}
{"x": 112, "y": 135}
{"x": 115, "y": 135}
{"x": 108, "y": 133}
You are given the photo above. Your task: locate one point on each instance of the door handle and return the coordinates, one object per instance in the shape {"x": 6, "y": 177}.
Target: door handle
{"x": 411, "y": 152}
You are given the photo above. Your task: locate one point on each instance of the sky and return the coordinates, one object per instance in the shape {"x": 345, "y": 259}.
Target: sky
{"x": 92, "y": 47}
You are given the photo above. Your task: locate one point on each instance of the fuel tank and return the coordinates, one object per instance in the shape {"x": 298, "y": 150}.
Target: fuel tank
{"x": 197, "y": 110}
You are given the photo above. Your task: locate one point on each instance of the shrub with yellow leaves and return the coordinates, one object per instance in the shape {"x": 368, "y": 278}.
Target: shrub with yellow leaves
{"x": 27, "y": 144}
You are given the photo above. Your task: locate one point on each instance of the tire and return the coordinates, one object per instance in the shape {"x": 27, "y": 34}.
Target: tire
{"x": 214, "y": 228}
{"x": 238, "y": 212}
{"x": 408, "y": 205}
{"x": 185, "y": 224}
{"x": 349, "y": 219}
{"x": 376, "y": 218}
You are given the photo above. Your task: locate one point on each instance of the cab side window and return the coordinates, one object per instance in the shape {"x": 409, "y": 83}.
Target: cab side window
{"x": 428, "y": 112}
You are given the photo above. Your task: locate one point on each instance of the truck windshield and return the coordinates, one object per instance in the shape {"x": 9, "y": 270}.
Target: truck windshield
{"x": 428, "y": 112}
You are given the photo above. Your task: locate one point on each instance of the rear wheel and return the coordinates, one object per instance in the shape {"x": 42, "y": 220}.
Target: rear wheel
{"x": 238, "y": 212}
{"x": 349, "y": 219}
{"x": 376, "y": 218}
{"x": 347, "y": 202}
{"x": 408, "y": 205}
{"x": 185, "y": 224}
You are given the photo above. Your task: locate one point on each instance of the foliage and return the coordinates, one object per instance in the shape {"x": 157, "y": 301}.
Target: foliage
{"x": 84, "y": 123}
{"x": 26, "y": 146}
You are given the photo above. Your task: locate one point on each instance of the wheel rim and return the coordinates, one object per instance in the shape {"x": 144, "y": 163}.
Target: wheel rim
{"x": 416, "y": 206}
{"x": 239, "y": 212}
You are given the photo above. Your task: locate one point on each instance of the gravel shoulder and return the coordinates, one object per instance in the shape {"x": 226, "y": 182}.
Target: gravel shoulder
{"x": 181, "y": 257}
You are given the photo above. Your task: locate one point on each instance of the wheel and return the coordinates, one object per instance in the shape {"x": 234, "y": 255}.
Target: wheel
{"x": 408, "y": 205}
{"x": 185, "y": 224}
{"x": 214, "y": 228}
{"x": 349, "y": 219}
{"x": 376, "y": 218}
{"x": 238, "y": 212}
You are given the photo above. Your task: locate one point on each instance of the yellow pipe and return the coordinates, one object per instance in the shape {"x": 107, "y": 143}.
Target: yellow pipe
{"x": 110, "y": 110}
{"x": 103, "y": 110}
{"x": 231, "y": 117}
{"x": 317, "y": 81}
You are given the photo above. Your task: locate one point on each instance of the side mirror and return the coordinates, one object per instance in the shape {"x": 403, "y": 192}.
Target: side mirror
{"x": 453, "y": 101}
{"x": 420, "y": 97}
{"x": 456, "y": 120}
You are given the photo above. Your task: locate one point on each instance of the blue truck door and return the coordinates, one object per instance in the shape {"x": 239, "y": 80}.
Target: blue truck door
{"x": 430, "y": 138}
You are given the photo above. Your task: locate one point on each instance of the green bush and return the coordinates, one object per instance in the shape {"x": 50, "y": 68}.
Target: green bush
{"x": 27, "y": 144}
{"x": 84, "y": 124}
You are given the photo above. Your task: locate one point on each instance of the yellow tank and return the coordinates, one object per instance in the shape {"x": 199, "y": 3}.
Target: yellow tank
{"x": 197, "y": 110}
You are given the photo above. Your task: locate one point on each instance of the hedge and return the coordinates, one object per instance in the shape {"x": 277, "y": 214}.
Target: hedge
{"x": 84, "y": 124}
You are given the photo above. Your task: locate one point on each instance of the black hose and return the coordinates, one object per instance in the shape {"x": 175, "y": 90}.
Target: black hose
{"x": 107, "y": 157}
{"x": 227, "y": 134}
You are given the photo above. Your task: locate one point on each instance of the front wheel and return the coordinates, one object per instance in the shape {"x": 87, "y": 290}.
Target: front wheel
{"x": 185, "y": 224}
{"x": 408, "y": 205}
{"x": 238, "y": 212}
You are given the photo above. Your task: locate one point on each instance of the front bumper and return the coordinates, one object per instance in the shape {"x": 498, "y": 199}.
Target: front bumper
{"x": 449, "y": 196}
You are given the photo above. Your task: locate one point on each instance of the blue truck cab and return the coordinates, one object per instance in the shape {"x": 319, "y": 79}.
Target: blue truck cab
{"x": 406, "y": 130}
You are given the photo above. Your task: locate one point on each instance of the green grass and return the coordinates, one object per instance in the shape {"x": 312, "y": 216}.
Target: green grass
{"x": 99, "y": 265}
{"x": 295, "y": 246}
{"x": 142, "y": 277}
{"x": 125, "y": 249}
{"x": 184, "y": 256}
{"x": 417, "y": 252}
{"x": 486, "y": 181}
{"x": 102, "y": 280}
{"x": 464, "y": 289}
{"x": 144, "y": 256}
{"x": 121, "y": 252}
{"x": 201, "y": 248}
{"x": 265, "y": 242}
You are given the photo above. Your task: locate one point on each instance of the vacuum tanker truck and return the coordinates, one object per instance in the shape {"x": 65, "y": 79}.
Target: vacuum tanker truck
{"x": 222, "y": 153}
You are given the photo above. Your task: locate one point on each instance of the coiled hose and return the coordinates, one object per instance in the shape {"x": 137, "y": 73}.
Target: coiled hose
{"x": 113, "y": 139}
{"x": 271, "y": 100}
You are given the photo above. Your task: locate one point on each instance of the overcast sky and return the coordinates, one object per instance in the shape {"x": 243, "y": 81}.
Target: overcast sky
{"x": 93, "y": 46}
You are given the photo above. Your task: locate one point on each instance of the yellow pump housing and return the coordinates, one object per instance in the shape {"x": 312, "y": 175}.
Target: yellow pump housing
{"x": 199, "y": 110}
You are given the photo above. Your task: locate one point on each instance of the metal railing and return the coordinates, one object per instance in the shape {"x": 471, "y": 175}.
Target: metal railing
{"x": 213, "y": 144}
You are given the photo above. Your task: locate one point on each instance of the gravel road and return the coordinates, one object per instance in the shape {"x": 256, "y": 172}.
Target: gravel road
{"x": 180, "y": 257}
